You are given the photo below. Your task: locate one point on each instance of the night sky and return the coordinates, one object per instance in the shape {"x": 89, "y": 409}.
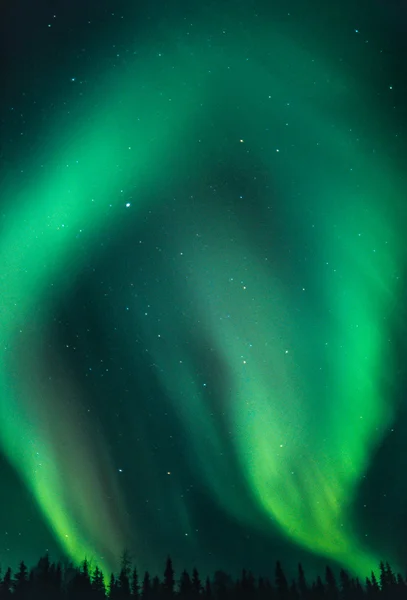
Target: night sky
{"x": 202, "y": 283}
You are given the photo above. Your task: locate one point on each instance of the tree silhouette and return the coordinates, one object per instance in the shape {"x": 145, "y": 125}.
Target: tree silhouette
{"x": 302, "y": 582}
{"x": 294, "y": 593}
{"x": 281, "y": 582}
{"x": 185, "y": 585}
{"x": 50, "y": 581}
{"x": 169, "y": 581}
{"x": 98, "y": 585}
{"x": 222, "y": 583}
{"x": 6, "y": 584}
{"x": 20, "y": 583}
{"x": 318, "y": 590}
{"x": 146, "y": 587}
{"x": 135, "y": 590}
{"x": 113, "y": 593}
{"x": 123, "y": 588}
{"x": 331, "y": 589}
{"x": 345, "y": 585}
{"x": 155, "y": 587}
{"x": 196, "y": 583}
{"x": 208, "y": 588}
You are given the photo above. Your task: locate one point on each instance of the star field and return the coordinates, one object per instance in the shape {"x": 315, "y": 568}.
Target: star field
{"x": 202, "y": 268}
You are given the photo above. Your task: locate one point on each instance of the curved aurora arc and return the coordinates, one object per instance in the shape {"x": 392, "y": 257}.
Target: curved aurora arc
{"x": 303, "y": 478}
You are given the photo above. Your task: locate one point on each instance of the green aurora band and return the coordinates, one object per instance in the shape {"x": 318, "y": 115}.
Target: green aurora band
{"x": 148, "y": 133}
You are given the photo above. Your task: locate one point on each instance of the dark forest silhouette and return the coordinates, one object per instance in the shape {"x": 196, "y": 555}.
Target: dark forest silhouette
{"x": 54, "y": 581}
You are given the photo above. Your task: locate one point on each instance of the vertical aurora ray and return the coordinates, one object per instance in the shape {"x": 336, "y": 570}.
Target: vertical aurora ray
{"x": 301, "y": 476}
{"x": 47, "y": 238}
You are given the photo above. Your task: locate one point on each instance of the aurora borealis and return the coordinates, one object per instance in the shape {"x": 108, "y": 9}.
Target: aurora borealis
{"x": 202, "y": 263}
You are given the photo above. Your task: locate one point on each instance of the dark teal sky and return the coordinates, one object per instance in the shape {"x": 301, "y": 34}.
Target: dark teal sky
{"x": 202, "y": 267}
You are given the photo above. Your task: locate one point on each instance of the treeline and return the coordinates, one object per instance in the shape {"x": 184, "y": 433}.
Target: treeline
{"x": 53, "y": 581}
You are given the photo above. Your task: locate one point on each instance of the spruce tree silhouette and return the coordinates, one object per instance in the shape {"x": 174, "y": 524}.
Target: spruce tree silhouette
{"x": 331, "y": 589}
{"x": 302, "y": 583}
{"x": 261, "y": 589}
{"x": 20, "y": 583}
{"x": 281, "y": 582}
{"x": 245, "y": 589}
{"x": 98, "y": 585}
{"x": 400, "y": 591}
{"x": 123, "y": 590}
{"x": 185, "y": 585}
{"x": 294, "y": 593}
{"x": 124, "y": 576}
{"x": 222, "y": 584}
{"x": 42, "y": 578}
{"x": 50, "y": 581}
{"x": 57, "y": 579}
{"x": 345, "y": 586}
{"x": 391, "y": 577}
{"x": 6, "y": 585}
{"x": 113, "y": 588}
{"x": 359, "y": 591}
{"x": 318, "y": 591}
{"x": 385, "y": 583}
{"x": 250, "y": 585}
{"x": 265, "y": 590}
{"x": 80, "y": 587}
{"x": 156, "y": 588}
{"x": 146, "y": 587}
{"x": 196, "y": 584}
{"x": 169, "y": 581}
{"x": 135, "y": 589}
{"x": 208, "y": 588}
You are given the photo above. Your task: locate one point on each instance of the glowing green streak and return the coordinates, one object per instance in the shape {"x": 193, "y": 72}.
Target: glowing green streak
{"x": 303, "y": 480}
{"x": 47, "y": 237}
{"x": 301, "y": 477}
